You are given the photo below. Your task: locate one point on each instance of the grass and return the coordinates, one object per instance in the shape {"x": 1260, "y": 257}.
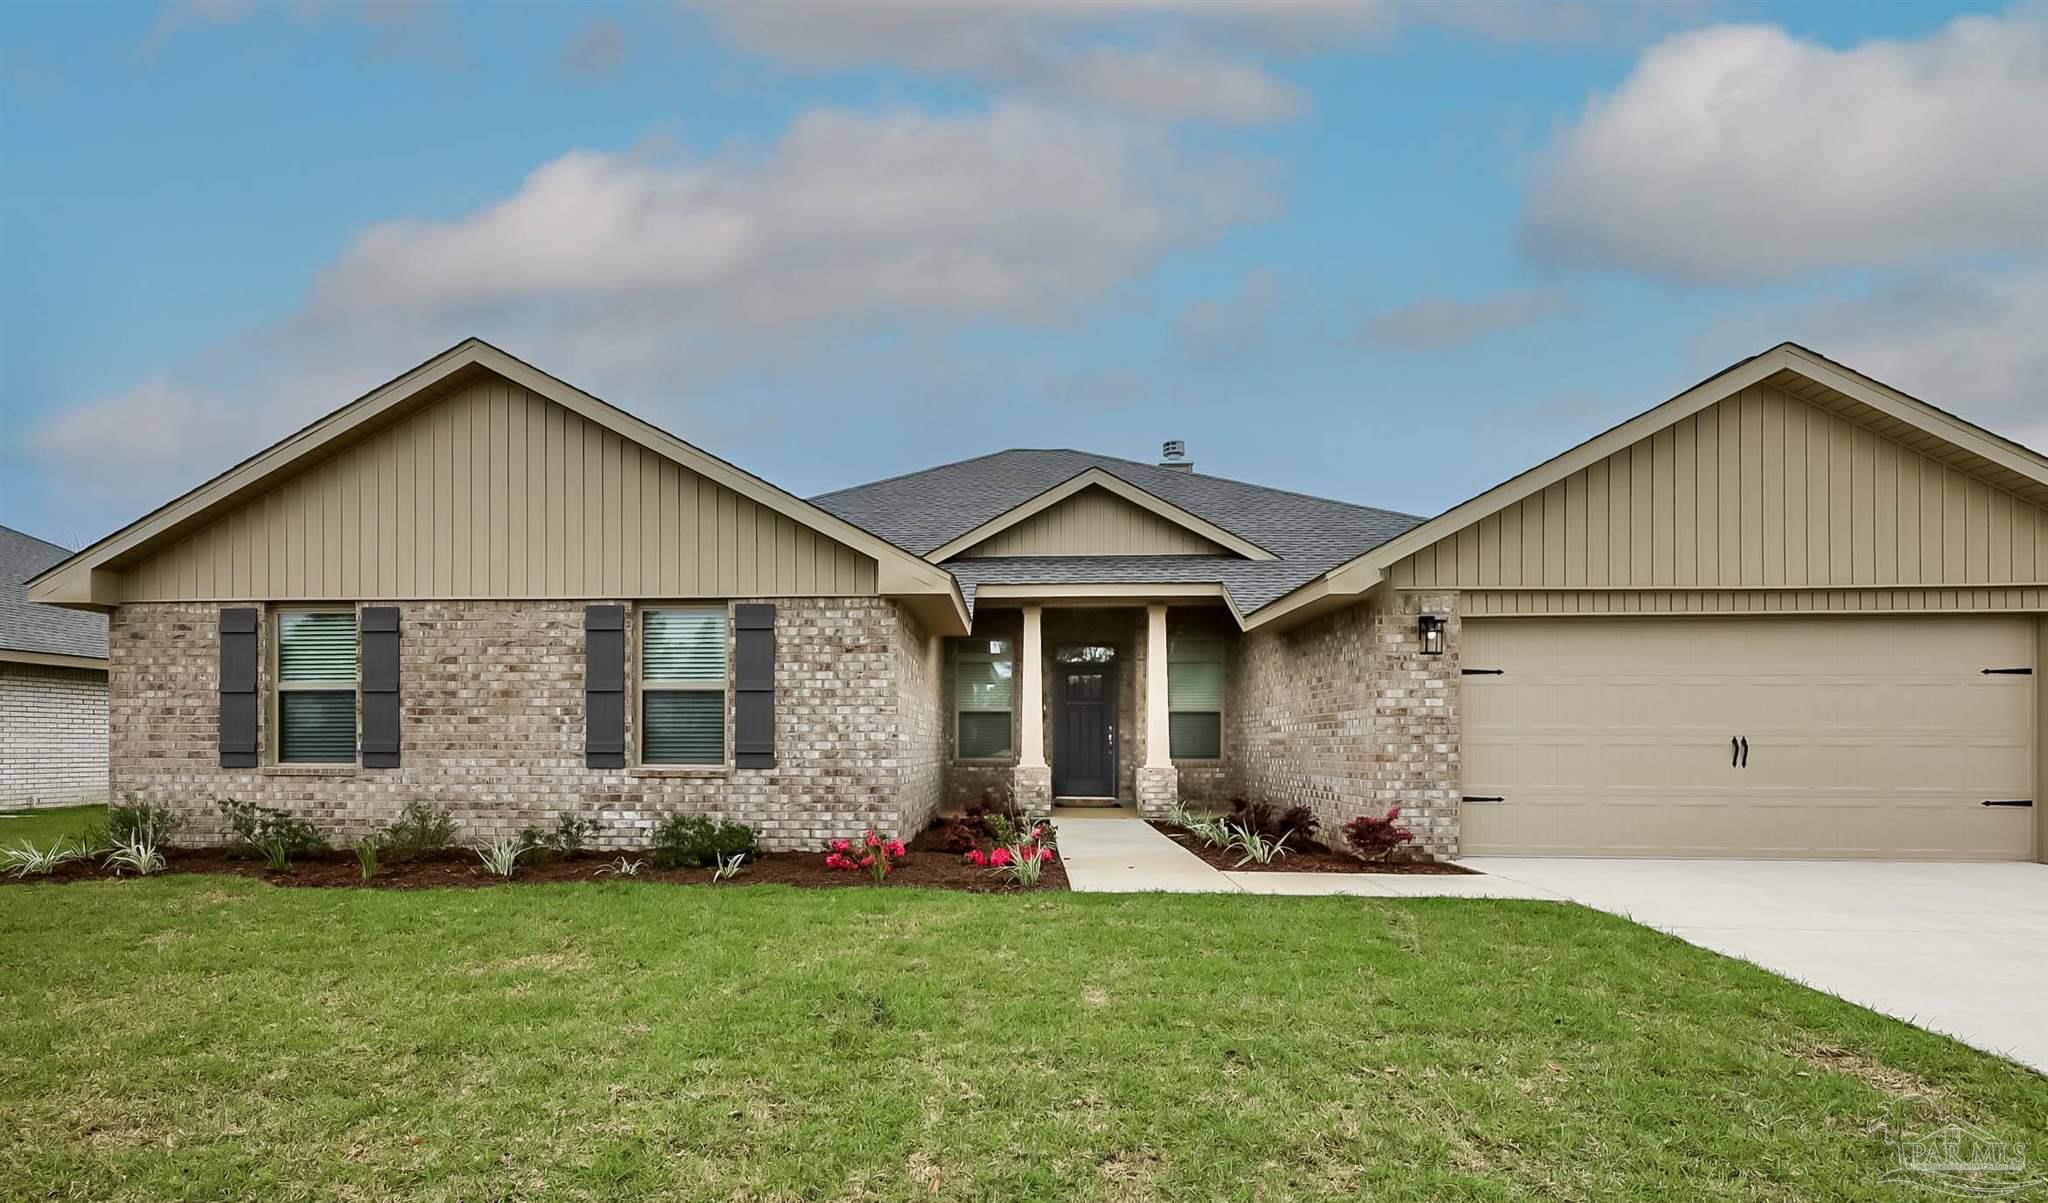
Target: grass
{"x": 208, "y": 1038}
{"x": 39, "y": 827}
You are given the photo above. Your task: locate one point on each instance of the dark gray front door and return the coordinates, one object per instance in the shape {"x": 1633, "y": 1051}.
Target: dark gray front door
{"x": 1084, "y": 731}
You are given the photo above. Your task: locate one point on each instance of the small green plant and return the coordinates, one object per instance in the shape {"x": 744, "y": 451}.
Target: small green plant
{"x": 137, "y": 854}
{"x": 366, "y": 856}
{"x": 725, "y": 868}
{"x": 536, "y": 847}
{"x": 275, "y": 835}
{"x": 25, "y": 859}
{"x": 622, "y": 868}
{"x": 1214, "y": 832}
{"x": 501, "y": 856}
{"x": 1180, "y": 815}
{"x": 683, "y": 841}
{"x": 1257, "y": 847}
{"x": 420, "y": 828}
{"x": 135, "y": 817}
{"x": 572, "y": 833}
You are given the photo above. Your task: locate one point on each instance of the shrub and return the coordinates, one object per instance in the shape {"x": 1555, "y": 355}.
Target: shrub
{"x": 501, "y": 856}
{"x": 728, "y": 867}
{"x": 138, "y": 853}
{"x": 622, "y": 868}
{"x": 572, "y": 833}
{"x": 985, "y": 821}
{"x": 872, "y": 854}
{"x": 697, "y": 841}
{"x": 535, "y": 847}
{"x": 275, "y": 835}
{"x": 25, "y": 858}
{"x": 419, "y": 829}
{"x": 1213, "y": 832}
{"x": 137, "y": 818}
{"x": 1376, "y": 838}
{"x": 1269, "y": 821}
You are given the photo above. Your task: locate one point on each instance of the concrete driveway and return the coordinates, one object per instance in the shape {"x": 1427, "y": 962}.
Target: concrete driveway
{"x": 1960, "y": 949}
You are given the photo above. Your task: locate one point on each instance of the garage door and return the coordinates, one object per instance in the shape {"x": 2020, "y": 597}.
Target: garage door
{"x": 1825, "y": 736}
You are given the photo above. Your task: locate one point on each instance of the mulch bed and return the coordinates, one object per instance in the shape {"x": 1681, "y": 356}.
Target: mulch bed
{"x": 461, "y": 870}
{"x": 1307, "y": 857}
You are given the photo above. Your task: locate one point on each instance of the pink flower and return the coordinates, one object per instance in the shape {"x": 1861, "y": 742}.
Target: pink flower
{"x": 976, "y": 856}
{"x": 874, "y": 841}
{"x": 895, "y": 848}
{"x": 867, "y": 862}
{"x": 842, "y": 845}
{"x": 999, "y": 857}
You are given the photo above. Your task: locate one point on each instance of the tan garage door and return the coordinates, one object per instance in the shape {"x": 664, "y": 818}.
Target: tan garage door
{"x": 1874, "y": 737}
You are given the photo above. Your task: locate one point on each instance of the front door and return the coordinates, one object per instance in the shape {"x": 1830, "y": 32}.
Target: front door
{"x": 1084, "y": 730}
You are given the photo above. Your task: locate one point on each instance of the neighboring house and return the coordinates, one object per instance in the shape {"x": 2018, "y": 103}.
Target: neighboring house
{"x": 1790, "y": 612}
{"x": 53, "y": 688}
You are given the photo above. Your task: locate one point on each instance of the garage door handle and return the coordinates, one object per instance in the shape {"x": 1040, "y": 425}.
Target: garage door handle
{"x": 2008, "y": 672}
{"x": 1734, "y": 752}
{"x": 2009, "y": 802}
{"x": 1745, "y": 751}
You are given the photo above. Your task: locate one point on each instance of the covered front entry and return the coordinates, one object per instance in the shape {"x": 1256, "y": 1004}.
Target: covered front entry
{"x": 1084, "y": 718}
{"x": 1789, "y": 736}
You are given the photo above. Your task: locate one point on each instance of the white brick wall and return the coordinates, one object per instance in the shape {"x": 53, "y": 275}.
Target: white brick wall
{"x": 53, "y": 736}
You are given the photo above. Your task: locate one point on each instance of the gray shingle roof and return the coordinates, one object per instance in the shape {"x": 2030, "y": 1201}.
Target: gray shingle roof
{"x": 926, "y": 510}
{"x": 27, "y": 626}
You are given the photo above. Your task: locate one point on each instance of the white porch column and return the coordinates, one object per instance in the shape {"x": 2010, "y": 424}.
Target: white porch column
{"x": 1158, "y": 783}
{"x": 1031, "y": 693}
{"x": 1156, "y": 746}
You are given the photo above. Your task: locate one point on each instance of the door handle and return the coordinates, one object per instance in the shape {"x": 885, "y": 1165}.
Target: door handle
{"x": 1734, "y": 752}
{"x": 1745, "y": 751}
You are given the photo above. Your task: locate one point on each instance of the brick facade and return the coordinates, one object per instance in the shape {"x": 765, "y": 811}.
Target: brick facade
{"x": 1346, "y": 716}
{"x": 53, "y": 735}
{"x": 493, "y": 728}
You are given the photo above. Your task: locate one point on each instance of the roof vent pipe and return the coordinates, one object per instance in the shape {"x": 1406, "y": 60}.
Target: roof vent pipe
{"x": 1173, "y": 453}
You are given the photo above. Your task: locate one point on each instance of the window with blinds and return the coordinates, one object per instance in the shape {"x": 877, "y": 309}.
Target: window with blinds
{"x": 985, "y": 694}
{"x": 316, "y": 686}
{"x": 1194, "y": 699}
{"x": 682, "y": 686}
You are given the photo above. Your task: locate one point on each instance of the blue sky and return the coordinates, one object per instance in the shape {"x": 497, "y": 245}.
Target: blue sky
{"x": 1379, "y": 251}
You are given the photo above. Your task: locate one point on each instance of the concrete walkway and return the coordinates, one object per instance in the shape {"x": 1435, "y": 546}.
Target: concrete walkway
{"x": 1112, "y": 852}
{"x": 1956, "y": 948}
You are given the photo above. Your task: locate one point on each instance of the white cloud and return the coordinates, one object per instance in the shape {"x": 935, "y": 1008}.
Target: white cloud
{"x": 1967, "y": 340}
{"x": 1740, "y": 153}
{"x": 654, "y": 277}
{"x": 1437, "y": 323}
{"x": 1066, "y": 50}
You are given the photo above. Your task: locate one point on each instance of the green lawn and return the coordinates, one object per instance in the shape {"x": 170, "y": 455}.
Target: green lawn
{"x": 42, "y": 827}
{"x": 204, "y": 1038}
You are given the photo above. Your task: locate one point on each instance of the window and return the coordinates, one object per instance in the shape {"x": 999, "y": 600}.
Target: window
{"x": 682, "y": 686}
{"x": 316, "y": 686}
{"x": 1194, "y": 699}
{"x": 985, "y": 690}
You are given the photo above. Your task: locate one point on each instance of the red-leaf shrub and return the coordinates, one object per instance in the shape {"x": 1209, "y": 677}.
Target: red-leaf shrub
{"x": 1376, "y": 838}
{"x": 1271, "y": 822}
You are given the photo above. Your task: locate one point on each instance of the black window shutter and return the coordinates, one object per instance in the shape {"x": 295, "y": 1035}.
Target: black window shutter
{"x": 753, "y": 680}
{"x": 604, "y": 687}
{"x": 381, "y": 705}
{"x": 238, "y": 653}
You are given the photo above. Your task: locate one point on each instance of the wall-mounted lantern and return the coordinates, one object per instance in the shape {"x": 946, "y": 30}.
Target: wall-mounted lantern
{"x": 1432, "y": 629}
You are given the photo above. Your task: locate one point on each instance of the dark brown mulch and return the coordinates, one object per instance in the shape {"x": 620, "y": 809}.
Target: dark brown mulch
{"x": 461, "y": 870}
{"x": 1305, "y": 857}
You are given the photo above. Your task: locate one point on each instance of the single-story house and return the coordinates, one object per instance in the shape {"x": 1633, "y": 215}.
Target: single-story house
{"x": 1788, "y": 612}
{"x": 53, "y": 688}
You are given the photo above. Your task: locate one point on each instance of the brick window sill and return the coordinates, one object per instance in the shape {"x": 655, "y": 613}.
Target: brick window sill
{"x": 311, "y": 770}
{"x": 679, "y": 770}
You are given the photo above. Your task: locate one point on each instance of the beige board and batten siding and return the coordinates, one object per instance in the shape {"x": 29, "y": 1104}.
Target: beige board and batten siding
{"x": 1095, "y": 522}
{"x": 494, "y": 491}
{"x": 1761, "y": 502}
